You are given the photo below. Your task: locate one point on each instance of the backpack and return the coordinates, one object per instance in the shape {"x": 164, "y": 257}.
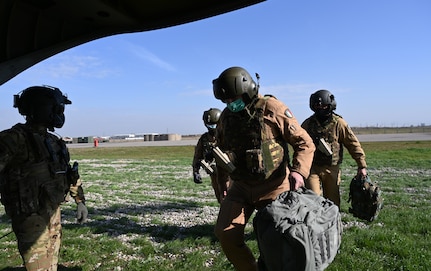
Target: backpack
{"x": 300, "y": 230}
{"x": 366, "y": 198}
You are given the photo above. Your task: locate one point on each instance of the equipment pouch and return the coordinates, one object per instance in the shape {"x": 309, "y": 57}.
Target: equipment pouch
{"x": 254, "y": 160}
{"x": 273, "y": 156}
{"x": 53, "y": 191}
{"x": 39, "y": 188}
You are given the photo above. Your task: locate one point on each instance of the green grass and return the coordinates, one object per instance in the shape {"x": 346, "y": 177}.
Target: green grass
{"x": 147, "y": 214}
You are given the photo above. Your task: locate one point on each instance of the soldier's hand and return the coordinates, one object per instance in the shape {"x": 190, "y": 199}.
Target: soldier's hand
{"x": 81, "y": 212}
{"x": 296, "y": 180}
{"x": 362, "y": 172}
{"x": 197, "y": 177}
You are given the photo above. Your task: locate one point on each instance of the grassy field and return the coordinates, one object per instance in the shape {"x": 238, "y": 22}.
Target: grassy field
{"x": 145, "y": 213}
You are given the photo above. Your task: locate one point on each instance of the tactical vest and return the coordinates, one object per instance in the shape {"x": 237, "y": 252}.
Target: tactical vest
{"x": 38, "y": 179}
{"x": 255, "y": 155}
{"x": 328, "y": 132}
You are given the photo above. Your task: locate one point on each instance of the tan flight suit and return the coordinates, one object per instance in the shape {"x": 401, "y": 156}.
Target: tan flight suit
{"x": 34, "y": 180}
{"x": 241, "y": 136}
{"x": 203, "y": 151}
{"x": 325, "y": 173}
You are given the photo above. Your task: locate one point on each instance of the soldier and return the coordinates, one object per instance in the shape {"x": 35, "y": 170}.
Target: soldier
{"x": 253, "y": 133}
{"x": 330, "y": 133}
{"x": 203, "y": 156}
{"x": 35, "y": 176}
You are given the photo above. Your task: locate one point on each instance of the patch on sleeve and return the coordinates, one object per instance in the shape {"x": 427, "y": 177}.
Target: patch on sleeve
{"x": 288, "y": 113}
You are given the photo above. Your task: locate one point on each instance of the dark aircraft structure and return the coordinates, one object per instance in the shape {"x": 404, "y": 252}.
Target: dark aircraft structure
{"x": 34, "y": 30}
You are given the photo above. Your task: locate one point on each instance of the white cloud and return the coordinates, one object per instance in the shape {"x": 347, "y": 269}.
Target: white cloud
{"x": 69, "y": 66}
{"x": 146, "y": 55}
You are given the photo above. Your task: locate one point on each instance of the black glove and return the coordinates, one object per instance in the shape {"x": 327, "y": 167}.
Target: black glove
{"x": 81, "y": 212}
{"x": 197, "y": 177}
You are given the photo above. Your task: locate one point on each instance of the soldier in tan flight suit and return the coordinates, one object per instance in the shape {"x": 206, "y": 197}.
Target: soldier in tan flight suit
{"x": 330, "y": 133}
{"x": 35, "y": 176}
{"x": 203, "y": 156}
{"x": 254, "y": 133}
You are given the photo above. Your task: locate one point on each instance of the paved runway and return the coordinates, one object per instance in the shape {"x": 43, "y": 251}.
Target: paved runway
{"x": 193, "y": 142}
{"x": 395, "y": 137}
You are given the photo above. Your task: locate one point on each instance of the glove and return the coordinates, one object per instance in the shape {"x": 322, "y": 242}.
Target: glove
{"x": 81, "y": 212}
{"x": 197, "y": 177}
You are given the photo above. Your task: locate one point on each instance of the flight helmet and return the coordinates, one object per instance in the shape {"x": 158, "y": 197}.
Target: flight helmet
{"x": 211, "y": 117}
{"x": 233, "y": 82}
{"x": 322, "y": 102}
{"x": 42, "y": 105}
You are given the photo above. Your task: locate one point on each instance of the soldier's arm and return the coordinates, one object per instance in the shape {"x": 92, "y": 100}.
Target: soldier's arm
{"x": 303, "y": 147}
{"x": 198, "y": 155}
{"x": 352, "y": 144}
{"x": 301, "y": 142}
{"x": 77, "y": 192}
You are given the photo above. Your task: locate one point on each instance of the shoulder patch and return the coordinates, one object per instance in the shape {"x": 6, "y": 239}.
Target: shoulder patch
{"x": 266, "y": 96}
{"x": 288, "y": 113}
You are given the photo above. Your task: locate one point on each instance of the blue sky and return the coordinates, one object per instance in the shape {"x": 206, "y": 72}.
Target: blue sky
{"x": 374, "y": 56}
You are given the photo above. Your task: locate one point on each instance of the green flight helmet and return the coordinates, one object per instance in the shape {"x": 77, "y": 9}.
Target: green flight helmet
{"x": 211, "y": 117}
{"x": 42, "y": 105}
{"x": 233, "y": 82}
{"x": 321, "y": 98}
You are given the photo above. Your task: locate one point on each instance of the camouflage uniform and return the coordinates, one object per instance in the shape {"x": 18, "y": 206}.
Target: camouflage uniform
{"x": 256, "y": 139}
{"x": 325, "y": 170}
{"x": 203, "y": 151}
{"x": 35, "y": 176}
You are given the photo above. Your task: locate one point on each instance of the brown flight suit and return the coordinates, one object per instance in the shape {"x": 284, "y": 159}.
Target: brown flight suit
{"x": 325, "y": 172}
{"x": 267, "y": 122}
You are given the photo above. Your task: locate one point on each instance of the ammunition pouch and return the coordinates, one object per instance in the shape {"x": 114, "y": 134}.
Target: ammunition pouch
{"x": 263, "y": 163}
{"x": 254, "y": 161}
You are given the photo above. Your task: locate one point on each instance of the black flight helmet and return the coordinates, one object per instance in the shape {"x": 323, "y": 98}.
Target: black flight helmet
{"x": 323, "y": 103}
{"x": 42, "y": 105}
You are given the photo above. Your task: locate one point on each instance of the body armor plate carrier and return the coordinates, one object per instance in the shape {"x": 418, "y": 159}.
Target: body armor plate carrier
{"x": 255, "y": 156}
{"x": 41, "y": 179}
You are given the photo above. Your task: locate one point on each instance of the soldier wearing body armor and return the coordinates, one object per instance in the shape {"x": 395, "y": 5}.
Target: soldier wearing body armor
{"x": 330, "y": 133}
{"x": 35, "y": 176}
{"x": 253, "y": 133}
{"x": 203, "y": 156}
